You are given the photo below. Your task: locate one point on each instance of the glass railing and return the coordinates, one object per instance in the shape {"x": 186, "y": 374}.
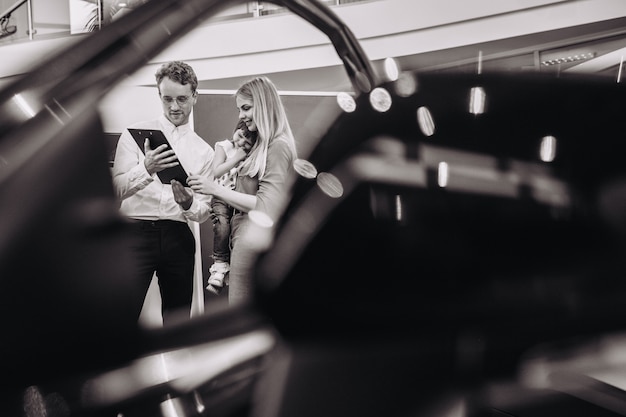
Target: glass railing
{"x": 15, "y": 12}
{"x": 41, "y": 19}
{"x": 263, "y": 8}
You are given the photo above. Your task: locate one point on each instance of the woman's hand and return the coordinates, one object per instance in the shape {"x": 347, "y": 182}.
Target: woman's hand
{"x": 201, "y": 184}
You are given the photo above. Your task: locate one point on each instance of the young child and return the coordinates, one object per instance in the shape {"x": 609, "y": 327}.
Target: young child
{"x": 228, "y": 155}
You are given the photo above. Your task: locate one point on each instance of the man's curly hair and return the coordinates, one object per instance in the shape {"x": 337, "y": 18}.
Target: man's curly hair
{"x": 178, "y": 71}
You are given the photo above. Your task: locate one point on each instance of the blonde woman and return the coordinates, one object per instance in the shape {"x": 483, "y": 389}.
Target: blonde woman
{"x": 262, "y": 179}
{"x": 229, "y": 153}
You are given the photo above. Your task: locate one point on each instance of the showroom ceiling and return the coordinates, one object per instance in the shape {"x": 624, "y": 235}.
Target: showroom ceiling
{"x": 565, "y": 49}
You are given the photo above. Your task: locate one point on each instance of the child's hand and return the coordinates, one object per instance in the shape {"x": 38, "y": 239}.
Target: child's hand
{"x": 243, "y": 142}
{"x": 240, "y": 154}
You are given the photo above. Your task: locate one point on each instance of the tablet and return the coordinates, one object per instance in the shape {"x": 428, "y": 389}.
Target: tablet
{"x": 157, "y": 138}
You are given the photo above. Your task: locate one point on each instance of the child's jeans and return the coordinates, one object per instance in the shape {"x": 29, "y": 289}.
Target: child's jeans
{"x": 221, "y": 230}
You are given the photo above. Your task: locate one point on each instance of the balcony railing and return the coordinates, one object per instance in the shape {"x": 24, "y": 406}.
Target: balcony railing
{"x": 30, "y": 19}
{"x": 6, "y": 28}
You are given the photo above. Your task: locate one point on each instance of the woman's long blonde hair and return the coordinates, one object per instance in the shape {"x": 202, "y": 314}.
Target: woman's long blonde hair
{"x": 271, "y": 121}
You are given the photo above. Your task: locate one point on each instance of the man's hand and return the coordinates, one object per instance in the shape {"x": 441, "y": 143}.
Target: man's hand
{"x": 183, "y": 197}
{"x": 158, "y": 159}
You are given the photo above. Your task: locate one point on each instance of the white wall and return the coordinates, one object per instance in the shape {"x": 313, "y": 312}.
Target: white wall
{"x": 128, "y": 104}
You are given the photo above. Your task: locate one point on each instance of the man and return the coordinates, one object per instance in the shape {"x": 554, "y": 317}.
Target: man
{"x": 159, "y": 211}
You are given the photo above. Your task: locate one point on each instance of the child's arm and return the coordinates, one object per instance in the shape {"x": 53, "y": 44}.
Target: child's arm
{"x": 218, "y": 159}
{"x": 225, "y": 166}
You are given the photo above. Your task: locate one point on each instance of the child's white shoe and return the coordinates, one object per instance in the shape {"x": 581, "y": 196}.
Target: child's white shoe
{"x": 218, "y": 271}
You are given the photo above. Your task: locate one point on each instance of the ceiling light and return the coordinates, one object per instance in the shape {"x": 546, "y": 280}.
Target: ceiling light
{"x": 443, "y": 174}
{"x": 398, "y": 201}
{"x": 392, "y": 70}
{"x": 346, "y": 102}
{"x": 305, "y": 168}
{"x": 380, "y": 99}
{"x": 567, "y": 59}
{"x": 477, "y": 100}
{"x": 425, "y": 121}
{"x": 330, "y": 184}
{"x": 477, "y": 94}
{"x": 547, "y": 150}
{"x": 406, "y": 84}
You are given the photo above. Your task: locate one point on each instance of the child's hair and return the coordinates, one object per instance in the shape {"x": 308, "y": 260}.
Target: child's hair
{"x": 246, "y": 133}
